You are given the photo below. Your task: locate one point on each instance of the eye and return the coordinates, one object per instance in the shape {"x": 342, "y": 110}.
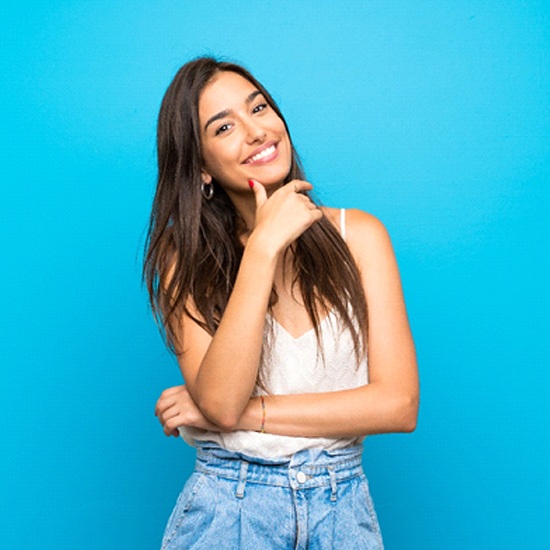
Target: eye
{"x": 260, "y": 107}
{"x": 223, "y": 128}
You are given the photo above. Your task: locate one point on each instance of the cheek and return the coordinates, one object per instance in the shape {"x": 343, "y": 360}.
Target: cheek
{"x": 224, "y": 151}
{"x": 288, "y": 149}
{"x": 284, "y": 135}
{"x": 278, "y": 126}
{"x": 221, "y": 162}
{"x": 213, "y": 157}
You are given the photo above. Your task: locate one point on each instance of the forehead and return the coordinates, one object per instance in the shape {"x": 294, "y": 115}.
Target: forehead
{"x": 227, "y": 90}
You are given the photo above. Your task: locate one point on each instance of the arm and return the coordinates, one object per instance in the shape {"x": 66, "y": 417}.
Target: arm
{"x": 389, "y": 403}
{"x": 220, "y": 390}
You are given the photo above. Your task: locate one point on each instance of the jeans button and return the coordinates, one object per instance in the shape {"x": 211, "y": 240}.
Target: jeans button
{"x": 301, "y": 477}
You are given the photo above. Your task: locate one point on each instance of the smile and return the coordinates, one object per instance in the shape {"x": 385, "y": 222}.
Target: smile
{"x": 265, "y": 155}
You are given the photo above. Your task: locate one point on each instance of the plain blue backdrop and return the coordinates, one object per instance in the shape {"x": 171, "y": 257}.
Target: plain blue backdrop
{"x": 432, "y": 115}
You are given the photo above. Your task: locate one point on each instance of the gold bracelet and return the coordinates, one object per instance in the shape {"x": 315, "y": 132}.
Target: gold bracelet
{"x": 262, "y": 428}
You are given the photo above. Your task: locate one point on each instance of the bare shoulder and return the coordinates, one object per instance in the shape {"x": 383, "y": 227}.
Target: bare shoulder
{"x": 359, "y": 224}
{"x": 367, "y": 237}
{"x": 363, "y": 224}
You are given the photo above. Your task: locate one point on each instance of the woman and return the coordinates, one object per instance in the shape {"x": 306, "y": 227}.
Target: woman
{"x": 263, "y": 297}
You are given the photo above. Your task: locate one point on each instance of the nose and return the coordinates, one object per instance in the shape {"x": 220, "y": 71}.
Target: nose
{"x": 254, "y": 131}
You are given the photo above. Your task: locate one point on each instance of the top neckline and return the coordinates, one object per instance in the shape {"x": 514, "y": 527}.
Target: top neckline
{"x": 331, "y": 312}
{"x": 304, "y": 334}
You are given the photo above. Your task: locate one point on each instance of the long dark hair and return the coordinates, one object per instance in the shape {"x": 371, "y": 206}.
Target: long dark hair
{"x": 193, "y": 247}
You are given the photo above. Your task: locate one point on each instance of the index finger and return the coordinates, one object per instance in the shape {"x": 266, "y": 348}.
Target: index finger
{"x": 299, "y": 185}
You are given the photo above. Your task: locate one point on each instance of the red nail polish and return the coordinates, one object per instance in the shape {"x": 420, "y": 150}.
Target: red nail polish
{"x": 251, "y": 183}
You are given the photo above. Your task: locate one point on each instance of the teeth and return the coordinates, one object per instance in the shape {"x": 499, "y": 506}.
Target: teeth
{"x": 263, "y": 154}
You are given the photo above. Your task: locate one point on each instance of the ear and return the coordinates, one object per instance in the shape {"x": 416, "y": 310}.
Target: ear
{"x": 206, "y": 177}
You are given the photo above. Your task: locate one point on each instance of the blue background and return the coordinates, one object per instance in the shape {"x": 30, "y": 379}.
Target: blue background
{"x": 432, "y": 115}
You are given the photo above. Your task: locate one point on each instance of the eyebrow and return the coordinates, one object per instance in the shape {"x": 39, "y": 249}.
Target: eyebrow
{"x": 222, "y": 114}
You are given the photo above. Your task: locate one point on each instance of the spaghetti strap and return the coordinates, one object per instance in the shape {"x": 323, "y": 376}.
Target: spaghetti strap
{"x": 343, "y": 223}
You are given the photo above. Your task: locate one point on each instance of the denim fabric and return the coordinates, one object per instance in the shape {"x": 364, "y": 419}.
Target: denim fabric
{"x": 316, "y": 500}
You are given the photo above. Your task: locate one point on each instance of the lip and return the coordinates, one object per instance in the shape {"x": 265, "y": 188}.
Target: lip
{"x": 268, "y": 158}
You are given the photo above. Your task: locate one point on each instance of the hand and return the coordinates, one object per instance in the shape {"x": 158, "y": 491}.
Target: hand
{"x": 175, "y": 407}
{"x": 285, "y": 215}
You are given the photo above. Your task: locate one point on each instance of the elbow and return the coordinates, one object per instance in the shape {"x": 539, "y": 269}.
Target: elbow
{"x": 217, "y": 409}
{"x": 409, "y": 425}
{"x": 407, "y": 416}
{"x": 227, "y": 423}
{"x": 221, "y": 415}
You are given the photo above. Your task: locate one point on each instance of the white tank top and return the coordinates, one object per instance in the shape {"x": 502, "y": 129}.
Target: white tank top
{"x": 295, "y": 365}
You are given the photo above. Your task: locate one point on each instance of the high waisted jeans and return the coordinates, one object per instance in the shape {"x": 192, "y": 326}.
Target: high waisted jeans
{"x": 316, "y": 500}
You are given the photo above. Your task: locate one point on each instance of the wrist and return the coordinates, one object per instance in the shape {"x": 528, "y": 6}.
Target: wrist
{"x": 253, "y": 416}
{"x": 261, "y": 246}
{"x": 262, "y": 402}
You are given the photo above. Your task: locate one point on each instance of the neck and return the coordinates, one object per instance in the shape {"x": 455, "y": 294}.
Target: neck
{"x": 245, "y": 204}
{"x": 246, "y": 208}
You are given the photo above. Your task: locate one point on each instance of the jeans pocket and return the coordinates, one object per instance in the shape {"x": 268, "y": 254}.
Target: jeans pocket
{"x": 182, "y": 507}
{"x": 364, "y": 510}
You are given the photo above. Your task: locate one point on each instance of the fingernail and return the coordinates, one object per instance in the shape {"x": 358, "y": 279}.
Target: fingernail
{"x": 251, "y": 183}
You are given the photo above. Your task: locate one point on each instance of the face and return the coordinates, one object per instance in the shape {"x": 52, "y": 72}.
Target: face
{"x": 242, "y": 137}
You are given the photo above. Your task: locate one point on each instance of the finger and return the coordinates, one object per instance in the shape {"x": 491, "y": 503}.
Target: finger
{"x": 300, "y": 185}
{"x": 168, "y": 414}
{"x": 171, "y": 391}
{"x": 167, "y": 396}
{"x": 307, "y": 201}
{"x": 173, "y": 424}
{"x": 304, "y": 197}
{"x": 159, "y": 408}
{"x": 163, "y": 404}
{"x": 259, "y": 192}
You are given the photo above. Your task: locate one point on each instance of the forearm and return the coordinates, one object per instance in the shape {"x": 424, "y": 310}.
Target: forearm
{"x": 366, "y": 410}
{"x": 220, "y": 389}
{"x": 221, "y": 372}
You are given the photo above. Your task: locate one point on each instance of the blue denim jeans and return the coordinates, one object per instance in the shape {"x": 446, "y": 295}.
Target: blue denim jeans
{"x": 316, "y": 500}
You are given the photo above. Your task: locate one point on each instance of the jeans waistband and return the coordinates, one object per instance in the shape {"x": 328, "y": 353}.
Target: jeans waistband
{"x": 305, "y": 469}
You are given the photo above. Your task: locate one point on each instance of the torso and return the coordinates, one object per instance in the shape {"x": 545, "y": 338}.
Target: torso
{"x": 295, "y": 366}
{"x": 289, "y": 311}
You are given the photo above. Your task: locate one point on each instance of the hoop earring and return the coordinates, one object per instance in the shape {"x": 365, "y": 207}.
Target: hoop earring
{"x": 207, "y": 190}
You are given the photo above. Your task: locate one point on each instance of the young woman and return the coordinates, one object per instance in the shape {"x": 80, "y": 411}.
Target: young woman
{"x": 287, "y": 319}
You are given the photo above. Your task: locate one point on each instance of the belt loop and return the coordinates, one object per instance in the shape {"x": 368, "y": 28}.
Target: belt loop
{"x": 242, "y": 480}
{"x": 333, "y": 484}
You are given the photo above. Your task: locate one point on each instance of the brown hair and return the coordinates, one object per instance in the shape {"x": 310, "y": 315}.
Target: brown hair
{"x": 193, "y": 249}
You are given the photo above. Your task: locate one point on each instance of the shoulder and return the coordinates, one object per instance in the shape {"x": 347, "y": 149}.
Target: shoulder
{"x": 366, "y": 236}
{"x": 362, "y": 225}
{"x": 359, "y": 224}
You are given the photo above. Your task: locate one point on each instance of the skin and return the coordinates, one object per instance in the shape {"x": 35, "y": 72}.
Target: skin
{"x": 236, "y": 124}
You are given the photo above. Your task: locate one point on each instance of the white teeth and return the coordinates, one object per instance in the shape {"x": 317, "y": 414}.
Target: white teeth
{"x": 263, "y": 154}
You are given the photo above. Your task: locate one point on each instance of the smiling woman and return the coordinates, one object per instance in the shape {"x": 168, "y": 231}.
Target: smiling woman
{"x": 263, "y": 297}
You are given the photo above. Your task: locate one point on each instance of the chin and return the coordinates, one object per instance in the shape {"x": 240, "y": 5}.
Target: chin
{"x": 275, "y": 177}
